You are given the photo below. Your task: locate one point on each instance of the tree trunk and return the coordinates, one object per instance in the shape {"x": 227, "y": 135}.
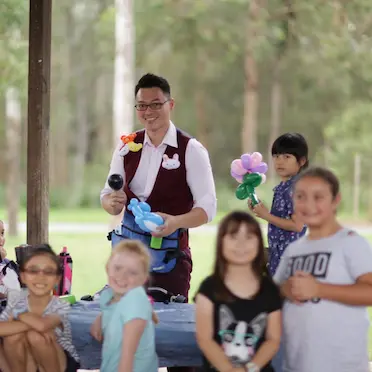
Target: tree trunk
{"x": 80, "y": 137}
{"x": 104, "y": 113}
{"x": 276, "y": 99}
{"x": 13, "y": 153}
{"x": 200, "y": 102}
{"x": 123, "y": 99}
{"x": 276, "y": 87}
{"x": 251, "y": 97}
{"x": 60, "y": 138}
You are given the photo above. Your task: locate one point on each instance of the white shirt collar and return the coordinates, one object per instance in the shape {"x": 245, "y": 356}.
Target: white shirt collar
{"x": 169, "y": 139}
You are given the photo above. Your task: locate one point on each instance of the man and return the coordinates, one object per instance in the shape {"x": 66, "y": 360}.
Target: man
{"x": 173, "y": 174}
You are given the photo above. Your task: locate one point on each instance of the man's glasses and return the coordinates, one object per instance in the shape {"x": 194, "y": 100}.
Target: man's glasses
{"x": 153, "y": 106}
{"x": 36, "y": 271}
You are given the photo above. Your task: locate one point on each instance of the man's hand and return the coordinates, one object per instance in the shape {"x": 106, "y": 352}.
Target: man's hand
{"x": 304, "y": 286}
{"x": 170, "y": 225}
{"x": 261, "y": 211}
{"x": 116, "y": 201}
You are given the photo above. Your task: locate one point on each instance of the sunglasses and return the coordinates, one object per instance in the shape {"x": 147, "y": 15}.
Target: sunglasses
{"x": 36, "y": 271}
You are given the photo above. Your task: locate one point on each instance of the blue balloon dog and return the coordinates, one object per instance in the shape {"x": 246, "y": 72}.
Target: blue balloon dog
{"x": 146, "y": 220}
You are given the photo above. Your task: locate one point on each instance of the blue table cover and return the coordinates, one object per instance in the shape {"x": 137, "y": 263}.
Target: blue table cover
{"x": 175, "y": 335}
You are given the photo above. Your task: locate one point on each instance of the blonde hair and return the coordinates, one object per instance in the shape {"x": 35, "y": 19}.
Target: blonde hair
{"x": 136, "y": 247}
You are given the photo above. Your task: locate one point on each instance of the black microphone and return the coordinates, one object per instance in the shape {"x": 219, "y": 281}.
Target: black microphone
{"x": 116, "y": 182}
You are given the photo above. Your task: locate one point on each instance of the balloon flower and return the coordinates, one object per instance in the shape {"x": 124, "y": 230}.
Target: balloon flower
{"x": 249, "y": 171}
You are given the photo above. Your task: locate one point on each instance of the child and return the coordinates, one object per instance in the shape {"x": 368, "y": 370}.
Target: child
{"x": 126, "y": 325}
{"x": 326, "y": 278}
{"x": 34, "y": 326}
{"x": 2, "y": 243}
{"x": 238, "y": 317}
{"x": 2, "y": 259}
{"x": 290, "y": 156}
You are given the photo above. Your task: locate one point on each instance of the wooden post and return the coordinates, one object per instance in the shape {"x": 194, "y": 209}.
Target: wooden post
{"x": 38, "y": 121}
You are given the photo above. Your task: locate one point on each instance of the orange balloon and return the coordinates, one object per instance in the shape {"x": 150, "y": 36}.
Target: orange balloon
{"x": 128, "y": 138}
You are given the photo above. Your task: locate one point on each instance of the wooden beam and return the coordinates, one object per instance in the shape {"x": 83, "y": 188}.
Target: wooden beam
{"x": 38, "y": 121}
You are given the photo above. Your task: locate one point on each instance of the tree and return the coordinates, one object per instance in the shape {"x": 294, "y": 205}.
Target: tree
{"x": 13, "y": 151}
{"x": 123, "y": 101}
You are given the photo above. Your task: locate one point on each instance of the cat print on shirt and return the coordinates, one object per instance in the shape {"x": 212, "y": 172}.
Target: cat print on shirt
{"x": 239, "y": 339}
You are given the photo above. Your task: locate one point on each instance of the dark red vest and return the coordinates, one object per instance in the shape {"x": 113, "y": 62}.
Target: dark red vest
{"x": 171, "y": 193}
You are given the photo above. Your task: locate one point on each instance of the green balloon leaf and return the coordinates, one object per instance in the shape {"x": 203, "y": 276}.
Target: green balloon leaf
{"x": 247, "y": 188}
{"x": 242, "y": 192}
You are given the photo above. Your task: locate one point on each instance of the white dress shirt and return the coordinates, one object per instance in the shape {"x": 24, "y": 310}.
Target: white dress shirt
{"x": 199, "y": 174}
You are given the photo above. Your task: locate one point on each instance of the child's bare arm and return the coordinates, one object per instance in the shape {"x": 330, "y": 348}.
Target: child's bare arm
{"x": 358, "y": 294}
{"x": 154, "y": 317}
{"x": 289, "y": 224}
{"x": 41, "y": 324}
{"x": 204, "y": 335}
{"x": 272, "y": 340}
{"x": 132, "y": 333}
{"x": 96, "y": 328}
{"x": 305, "y": 287}
{"x": 12, "y": 327}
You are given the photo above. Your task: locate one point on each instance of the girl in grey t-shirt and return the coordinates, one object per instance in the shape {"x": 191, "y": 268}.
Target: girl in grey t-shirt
{"x": 326, "y": 278}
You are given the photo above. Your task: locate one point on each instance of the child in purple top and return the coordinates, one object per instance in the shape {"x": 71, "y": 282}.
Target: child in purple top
{"x": 290, "y": 156}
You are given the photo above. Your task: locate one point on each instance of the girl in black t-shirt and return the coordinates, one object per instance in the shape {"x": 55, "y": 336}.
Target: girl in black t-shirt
{"x": 238, "y": 307}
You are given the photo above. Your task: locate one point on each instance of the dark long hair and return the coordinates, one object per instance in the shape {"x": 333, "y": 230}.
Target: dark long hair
{"x": 230, "y": 225}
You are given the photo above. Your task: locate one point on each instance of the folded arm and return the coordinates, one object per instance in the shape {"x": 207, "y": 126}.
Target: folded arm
{"x": 41, "y": 324}
{"x": 12, "y": 327}
{"x": 358, "y": 294}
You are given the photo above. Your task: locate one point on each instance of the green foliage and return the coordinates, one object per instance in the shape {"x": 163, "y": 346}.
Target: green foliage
{"x": 200, "y": 46}
{"x": 349, "y": 134}
{"x": 13, "y": 43}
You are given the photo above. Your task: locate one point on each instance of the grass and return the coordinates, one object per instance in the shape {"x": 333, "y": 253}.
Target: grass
{"x": 90, "y": 252}
{"x": 79, "y": 215}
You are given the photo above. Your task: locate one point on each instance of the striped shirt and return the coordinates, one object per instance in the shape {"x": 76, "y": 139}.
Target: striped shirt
{"x": 55, "y": 307}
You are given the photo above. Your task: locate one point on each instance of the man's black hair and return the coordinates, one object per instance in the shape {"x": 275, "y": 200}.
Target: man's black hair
{"x": 153, "y": 81}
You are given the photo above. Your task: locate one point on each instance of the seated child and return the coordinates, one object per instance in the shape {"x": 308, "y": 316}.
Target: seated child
{"x": 34, "y": 326}
{"x": 125, "y": 325}
{"x": 2, "y": 242}
{"x": 2, "y": 257}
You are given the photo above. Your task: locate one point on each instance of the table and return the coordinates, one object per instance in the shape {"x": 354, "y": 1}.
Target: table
{"x": 175, "y": 335}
